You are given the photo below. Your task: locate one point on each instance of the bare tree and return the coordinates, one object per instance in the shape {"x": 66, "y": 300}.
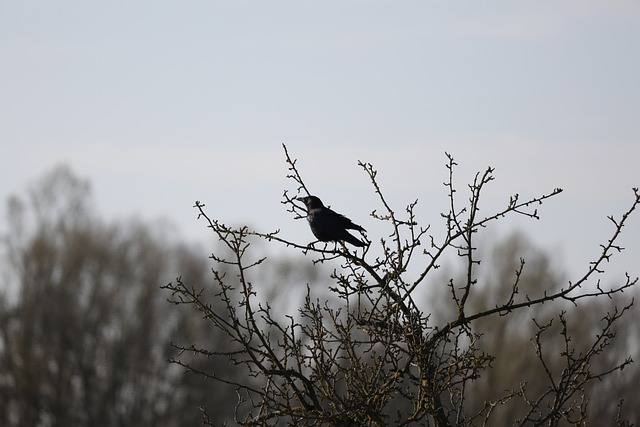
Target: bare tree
{"x": 371, "y": 355}
{"x": 511, "y": 339}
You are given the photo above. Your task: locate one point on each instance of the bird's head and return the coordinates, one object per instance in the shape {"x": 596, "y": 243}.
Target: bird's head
{"x": 311, "y": 202}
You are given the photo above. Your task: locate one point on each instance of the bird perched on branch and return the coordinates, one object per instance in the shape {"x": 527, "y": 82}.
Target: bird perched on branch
{"x": 328, "y": 225}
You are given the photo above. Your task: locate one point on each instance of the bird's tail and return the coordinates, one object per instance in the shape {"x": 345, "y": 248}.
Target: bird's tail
{"x": 350, "y": 238}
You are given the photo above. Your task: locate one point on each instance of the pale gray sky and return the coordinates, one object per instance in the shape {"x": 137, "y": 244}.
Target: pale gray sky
{"x": 162, "y": 103}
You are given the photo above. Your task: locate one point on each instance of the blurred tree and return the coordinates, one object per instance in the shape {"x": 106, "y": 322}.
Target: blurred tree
{"x": 508, "y": 346}
{"x": 84, "y": 330}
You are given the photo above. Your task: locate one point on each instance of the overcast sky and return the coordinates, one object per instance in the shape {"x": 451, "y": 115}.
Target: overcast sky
{"x": 163, "y": 103}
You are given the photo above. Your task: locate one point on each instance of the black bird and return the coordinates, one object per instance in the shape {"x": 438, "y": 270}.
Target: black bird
{"x": 328, "y": 225}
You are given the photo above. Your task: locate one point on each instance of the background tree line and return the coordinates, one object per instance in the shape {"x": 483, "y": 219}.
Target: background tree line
{"x": 86, "y": 333}
{"x": 84, "y": 330}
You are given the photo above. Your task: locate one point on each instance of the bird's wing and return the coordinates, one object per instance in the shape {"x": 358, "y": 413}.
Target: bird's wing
{"x": 343, "y": 221}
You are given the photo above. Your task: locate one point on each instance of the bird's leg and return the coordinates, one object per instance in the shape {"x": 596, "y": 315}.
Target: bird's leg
{"x": 312, "y": 244}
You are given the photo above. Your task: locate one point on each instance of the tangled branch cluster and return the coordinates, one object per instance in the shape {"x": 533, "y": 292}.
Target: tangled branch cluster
{"x": 372, "y": 356}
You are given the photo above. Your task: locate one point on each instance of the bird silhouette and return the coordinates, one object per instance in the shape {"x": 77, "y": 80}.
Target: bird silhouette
{"x": 330, "y": 226}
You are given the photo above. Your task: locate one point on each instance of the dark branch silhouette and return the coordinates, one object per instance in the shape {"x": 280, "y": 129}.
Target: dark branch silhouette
{"x": 369, "y": 353}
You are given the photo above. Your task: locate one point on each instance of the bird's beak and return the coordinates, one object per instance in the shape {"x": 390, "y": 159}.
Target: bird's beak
{"x": 302, "y": 199}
